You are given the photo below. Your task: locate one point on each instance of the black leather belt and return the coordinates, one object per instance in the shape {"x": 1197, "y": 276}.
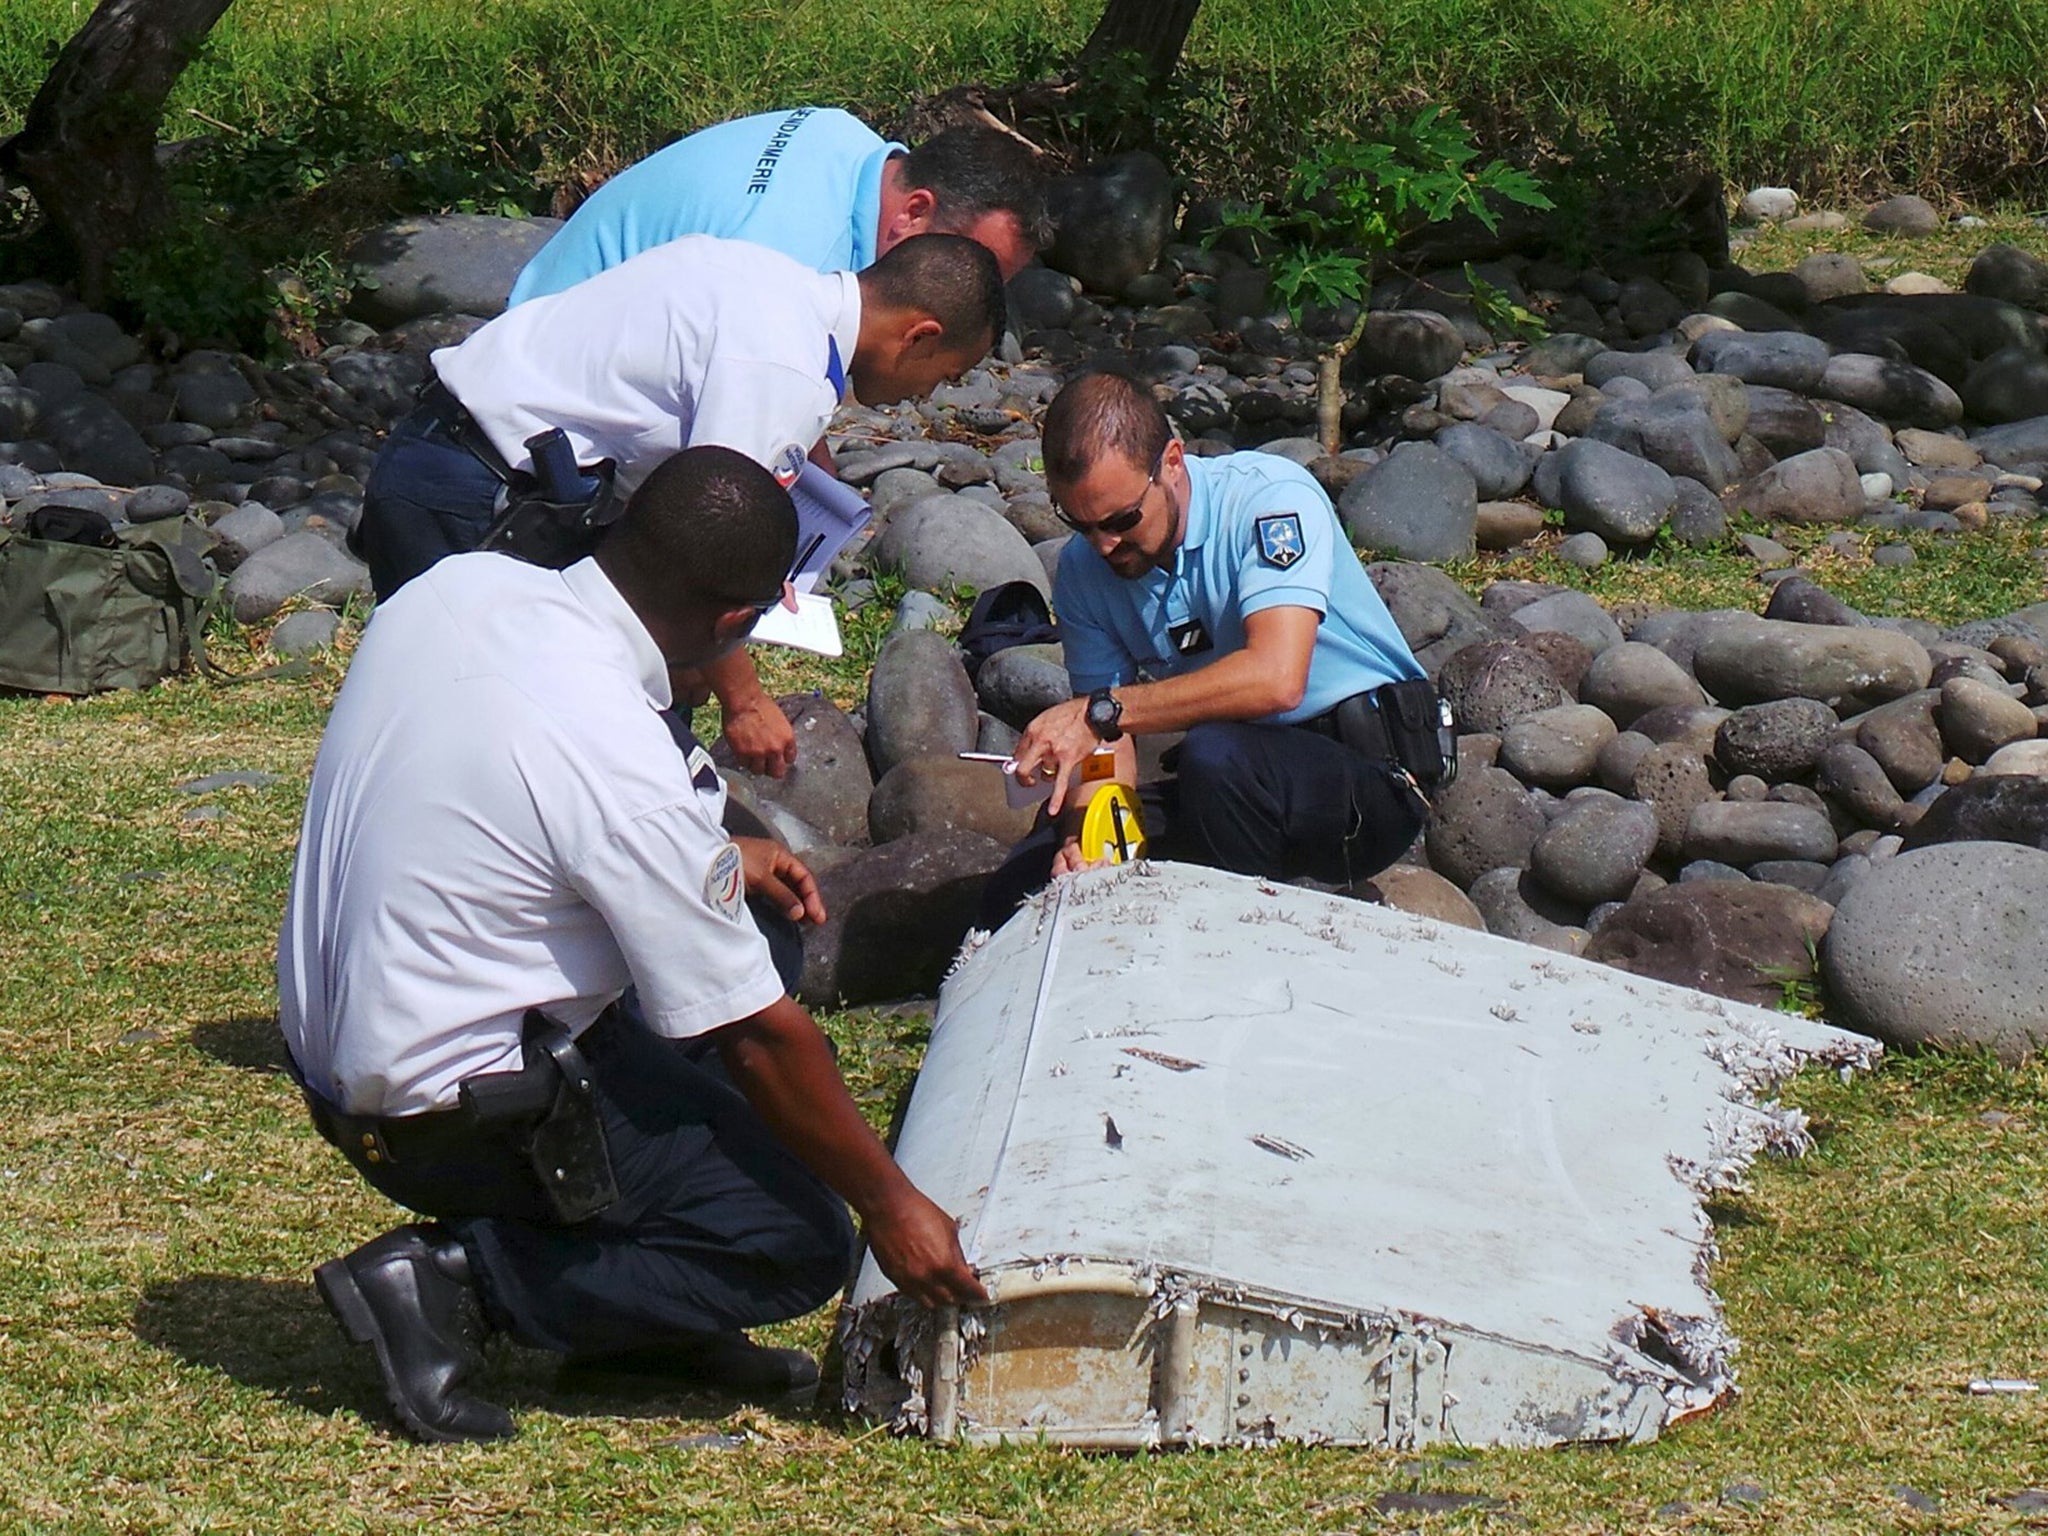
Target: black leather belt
{"x": 438, "y": 401}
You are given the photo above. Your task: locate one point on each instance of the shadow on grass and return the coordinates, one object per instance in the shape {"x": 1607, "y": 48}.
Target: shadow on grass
{"x": 272, "y": 1335}
{"x": 248, "y": 1044}
{"x": 276, "y": 1337}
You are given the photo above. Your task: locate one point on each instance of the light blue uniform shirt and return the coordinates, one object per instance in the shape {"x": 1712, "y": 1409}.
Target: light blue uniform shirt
{"x": 1260, "y": 534}
{"x": 806, "y": 182}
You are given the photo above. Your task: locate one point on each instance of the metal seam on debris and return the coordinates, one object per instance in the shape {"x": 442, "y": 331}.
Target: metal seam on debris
{"x": 1047, "y": 968}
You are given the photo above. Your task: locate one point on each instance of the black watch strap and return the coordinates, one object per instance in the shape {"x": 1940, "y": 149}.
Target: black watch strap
{"x": 1105, "y": 715}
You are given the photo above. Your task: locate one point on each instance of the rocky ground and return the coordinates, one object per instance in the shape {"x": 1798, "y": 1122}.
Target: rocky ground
{"x": 1757, "y": 804}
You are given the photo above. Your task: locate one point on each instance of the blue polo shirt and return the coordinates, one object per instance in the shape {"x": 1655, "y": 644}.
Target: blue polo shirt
{"x": 1260, "y": 534}
{"x": 806, "y": 182}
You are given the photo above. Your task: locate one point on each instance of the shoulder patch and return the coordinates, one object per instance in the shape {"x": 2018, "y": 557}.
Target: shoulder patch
{"x": 725, "y": 885}
{"x": 787, "y": 465}
{"x": 1280, "y": 540}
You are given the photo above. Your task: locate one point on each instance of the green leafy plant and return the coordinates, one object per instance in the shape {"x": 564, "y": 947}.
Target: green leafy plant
{"x": 1346, "y": 207}
{"x": 1499, "y": 313}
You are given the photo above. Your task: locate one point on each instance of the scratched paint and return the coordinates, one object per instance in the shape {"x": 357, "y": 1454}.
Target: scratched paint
{"x": 1371, "y": 1180}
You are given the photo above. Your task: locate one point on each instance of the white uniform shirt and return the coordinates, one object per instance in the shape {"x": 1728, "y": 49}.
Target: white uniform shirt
{"x": 696, "y": 341}
{"x": 499, "y": 820}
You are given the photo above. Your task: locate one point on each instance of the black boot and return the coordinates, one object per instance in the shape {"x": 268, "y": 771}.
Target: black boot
{"x": 410, "y": 1297}
{"x": 730, "y": 1363}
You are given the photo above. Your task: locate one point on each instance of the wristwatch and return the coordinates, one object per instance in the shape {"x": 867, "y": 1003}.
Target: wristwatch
{"x": 1105, "y": 715}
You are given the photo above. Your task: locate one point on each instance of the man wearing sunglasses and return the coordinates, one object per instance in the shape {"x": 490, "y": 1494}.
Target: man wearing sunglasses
{"x": 499, "y": 839}
{"x": 1219, "y": 597}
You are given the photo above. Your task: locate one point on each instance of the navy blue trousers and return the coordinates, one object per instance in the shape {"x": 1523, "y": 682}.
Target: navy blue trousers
{"x": 1271, "y": 800}
{"x": 427, "y": 496}
{"x": 717, "y": 1225}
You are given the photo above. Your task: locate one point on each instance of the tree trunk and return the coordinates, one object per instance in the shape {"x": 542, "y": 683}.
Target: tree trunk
{"x": 1155, "y": 30}
{"x": 87, "y": 148}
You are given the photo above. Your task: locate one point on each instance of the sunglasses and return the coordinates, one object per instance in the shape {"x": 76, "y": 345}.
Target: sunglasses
{"x": 1118, "y": 523}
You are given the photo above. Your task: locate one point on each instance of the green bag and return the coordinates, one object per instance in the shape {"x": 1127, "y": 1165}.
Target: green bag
{"x": 79, "y": 618}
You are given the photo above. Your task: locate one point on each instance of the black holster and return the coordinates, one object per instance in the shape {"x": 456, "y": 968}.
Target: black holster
{"x": 552, "y": 533}
{"x": 555, "y": 1094}
{"x": 1406, "y": 722}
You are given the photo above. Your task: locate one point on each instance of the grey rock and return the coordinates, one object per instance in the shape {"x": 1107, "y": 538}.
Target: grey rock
{"x": 1698, "y": 518}
{"x": 1799, "y": 600}
{"x": 1762, "y": 659}
{"x": 1778, "y": 740}
{"x": 2006, "y": 272}
{"x": 1989, "y": 808}
{"x": 1497, "y": 466}
{"x": 1435, "y": 615}
{"x": 1569, "y": 613}
{"x": 1800, "y": 874}
{"x": 1556, "y": 749}
{"x": 1783, "y": 422}
{"x": 240, "y": 533}
{"x": 1508, "y": 899}
{"x": 1906, "y": 214}
{"x": 1780, "y": 359}
{"x": 897, "y": 488}
{"x": 1504, "y": 524}
{"x": 1582, "y": 551}
{"x": 1017, "y": 684}
{"x": 1627, "y": 681}
{"x": 1595, "y": 850}
{"x": 1674, "y": 430}
{"x": 944, "y": 794}
{"x": 919, "y": 701}
{"x": 1819, "y": 486}
{"x": 896, "y": 917}
{"x": 1867, "y": 441}
{"x": 1655, "y": 369}
{"x": 1853, "y": 781}
{"x": 1732, "y": 938}
{"x": 921, "y": 610}
{"x": 1829, "y": 275}
{"x": 2019, "y": 442}
{"x": 2007, "y": 386}
{"x": 217, "y": 398}
{"x": 93, "y": 438}
{"x": 1614, "y": 494}
{"x": 828, "y": 786}
{"x": 1977, "y": 718}
{"x": 1896, "y": 391}
{"x": 1112, "y": 219}
{"x": 458, "y": 263}
{"x": 1615, "y": 768}
{"x": 1711, "y": 872}
{"x": 306, "y": 633}
{"x": 1942, "y": 947}
{"x": 20, "y": 409}
{"x": 1492, "y": 684}
{"x": 1417, "y": 344}
{"x": 1746, "y": 832}
{"x": 1042, "y": 299}
{"x": 231, "y": 778}
{"x": 1902, "y": 737}
{"x": 1566, "y": 352}
{"x": 155, "y": 503}
{"x": 1484, "y": 820}
{"x": 943, "y": 542}
{"x": 1419, "y": 504}
{"x": 1672, "y": 779}
{"x": 299, "y": 564}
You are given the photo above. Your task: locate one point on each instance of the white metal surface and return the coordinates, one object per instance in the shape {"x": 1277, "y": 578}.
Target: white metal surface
{"x": 1244, "y": 1162}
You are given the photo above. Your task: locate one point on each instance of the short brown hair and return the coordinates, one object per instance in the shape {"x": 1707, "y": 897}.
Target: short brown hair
{"x": 1102, "y": 410}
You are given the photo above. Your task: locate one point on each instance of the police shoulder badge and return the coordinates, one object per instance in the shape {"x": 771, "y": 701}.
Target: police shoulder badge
{"x": 1280, "y": 540}
{"x": 725, "y": 886}
{"x": 787, "y": 465}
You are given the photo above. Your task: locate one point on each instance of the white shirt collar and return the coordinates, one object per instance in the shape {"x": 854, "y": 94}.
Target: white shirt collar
{"x": 589, "y": 585}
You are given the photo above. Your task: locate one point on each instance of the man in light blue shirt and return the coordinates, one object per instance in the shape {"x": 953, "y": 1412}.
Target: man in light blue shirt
{"x": 1219, "y": 597}
{"x": 814, "y": 183}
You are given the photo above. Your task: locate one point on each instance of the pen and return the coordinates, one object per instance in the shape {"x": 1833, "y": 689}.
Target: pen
{"x": 804, "y": 555}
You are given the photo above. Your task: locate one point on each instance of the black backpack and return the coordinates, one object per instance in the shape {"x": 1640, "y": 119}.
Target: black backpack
{"x": 1014, "y": 613}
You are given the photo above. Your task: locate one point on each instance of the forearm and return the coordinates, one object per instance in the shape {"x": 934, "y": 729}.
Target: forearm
{"x": 1240, "y": 686}
{"x": 734, "y": 680}
{"x": 780, "y": 1060}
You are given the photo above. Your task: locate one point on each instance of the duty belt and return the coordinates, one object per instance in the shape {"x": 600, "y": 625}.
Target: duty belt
{"x": 439, "y": 401}
{"x": 1362, "y": 730}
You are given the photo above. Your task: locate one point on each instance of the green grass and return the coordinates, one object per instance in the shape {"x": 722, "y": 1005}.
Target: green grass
{"x": 1937, "y": 94}
{"x": 170, "y": 1370}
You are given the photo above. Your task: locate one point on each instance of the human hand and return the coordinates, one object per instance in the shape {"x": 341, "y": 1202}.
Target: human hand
{"x": 1056, "y": 743}
{"x": 1068, "y": 860}
{"x": 761, "y": 737}
{"x": 773, "y": 872}
{"x": 917, "y": 1246}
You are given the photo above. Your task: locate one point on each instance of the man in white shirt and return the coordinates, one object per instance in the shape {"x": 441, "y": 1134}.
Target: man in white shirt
{"x": 499, "y": 839}
{"x": 692, "y": 342}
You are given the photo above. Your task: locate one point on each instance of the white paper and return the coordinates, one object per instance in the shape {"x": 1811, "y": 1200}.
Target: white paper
{"x": 813, "y": 627}
{"x": 828, "y": 514}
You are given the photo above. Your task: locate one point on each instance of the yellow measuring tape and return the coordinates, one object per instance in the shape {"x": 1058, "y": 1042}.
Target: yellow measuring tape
{"x": 1110, "y": 828}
